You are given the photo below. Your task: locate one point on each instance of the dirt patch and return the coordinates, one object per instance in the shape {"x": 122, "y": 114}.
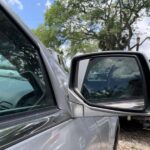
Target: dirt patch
{"x": 134, "y": 137}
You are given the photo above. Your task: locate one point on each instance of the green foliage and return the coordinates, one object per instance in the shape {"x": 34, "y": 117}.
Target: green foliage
{"x": 48, "y": 37}
{"x": 42, "y": 33}
{"x": 91, "y": 25}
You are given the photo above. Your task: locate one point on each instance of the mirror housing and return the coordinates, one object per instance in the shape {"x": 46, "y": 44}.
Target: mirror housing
{"x": 109, "y": 83}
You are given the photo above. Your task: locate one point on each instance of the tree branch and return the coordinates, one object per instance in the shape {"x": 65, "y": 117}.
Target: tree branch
{"x": 147, "y": 38}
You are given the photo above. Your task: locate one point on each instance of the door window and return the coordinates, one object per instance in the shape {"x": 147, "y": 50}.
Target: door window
{"x": 22, "y": 79}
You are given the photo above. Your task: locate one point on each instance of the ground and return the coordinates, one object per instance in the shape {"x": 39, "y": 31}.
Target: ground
{"x": 134, "y": 137}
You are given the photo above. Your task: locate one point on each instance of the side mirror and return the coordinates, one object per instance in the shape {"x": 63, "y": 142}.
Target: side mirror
{"x": 112, "y": 81}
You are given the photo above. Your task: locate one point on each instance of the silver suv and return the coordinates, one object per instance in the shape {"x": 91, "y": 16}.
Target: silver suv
{"x": 42, "y": 108}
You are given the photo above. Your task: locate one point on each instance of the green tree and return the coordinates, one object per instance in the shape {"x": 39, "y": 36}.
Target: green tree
{"x": 92, "y": 25}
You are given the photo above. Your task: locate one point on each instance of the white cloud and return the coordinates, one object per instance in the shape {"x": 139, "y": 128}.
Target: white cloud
{"x": 48, "y": 4}
{"x": 38, "y": 4}
{"x": 17, "y": 3}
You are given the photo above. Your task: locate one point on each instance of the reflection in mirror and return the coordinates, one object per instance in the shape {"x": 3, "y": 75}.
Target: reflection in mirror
{"x": 111, "y": 82}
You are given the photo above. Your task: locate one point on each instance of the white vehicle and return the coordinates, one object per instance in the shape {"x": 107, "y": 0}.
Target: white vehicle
{"x": 41, "y": 109}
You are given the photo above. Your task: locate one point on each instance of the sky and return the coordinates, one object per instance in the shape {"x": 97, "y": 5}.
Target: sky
{"x": 30, "y": 11}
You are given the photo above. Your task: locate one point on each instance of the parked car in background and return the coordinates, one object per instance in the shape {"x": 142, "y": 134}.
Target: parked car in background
{"x": 42, "y": 107}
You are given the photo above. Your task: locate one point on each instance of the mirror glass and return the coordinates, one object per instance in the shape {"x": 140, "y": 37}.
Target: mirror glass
{"x": 111, "y": 82}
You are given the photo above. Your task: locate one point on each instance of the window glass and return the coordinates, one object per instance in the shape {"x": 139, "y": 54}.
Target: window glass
{"x": 22, "y": 82}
